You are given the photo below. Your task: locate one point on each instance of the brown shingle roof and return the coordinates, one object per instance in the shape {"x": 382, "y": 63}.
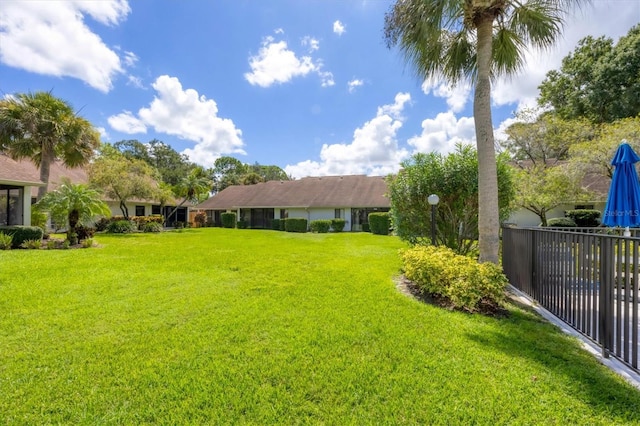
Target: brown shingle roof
{"x": 325, "y": 191}
{"x": 15, "y": 172}
{"x": 27, "y": 168}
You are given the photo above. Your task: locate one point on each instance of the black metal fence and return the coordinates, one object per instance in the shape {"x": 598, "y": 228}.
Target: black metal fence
{"x": 588, "y": 278}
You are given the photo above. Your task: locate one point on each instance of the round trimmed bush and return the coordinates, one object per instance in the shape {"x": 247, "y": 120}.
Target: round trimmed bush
{"x": 561, "y": 222}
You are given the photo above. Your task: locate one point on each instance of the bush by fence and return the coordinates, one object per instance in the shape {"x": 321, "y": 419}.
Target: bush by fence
{"x": 460, "y": 279}
{"x": 379, "y": 223}
{"x": 558, "y": 222}
{"x": 295, "y": 224}
{"x": 228, "y": 220}
{"x": 584, "y": 217}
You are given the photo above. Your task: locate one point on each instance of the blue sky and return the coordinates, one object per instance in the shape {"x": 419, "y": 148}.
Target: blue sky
{"x": 307, "y": 85}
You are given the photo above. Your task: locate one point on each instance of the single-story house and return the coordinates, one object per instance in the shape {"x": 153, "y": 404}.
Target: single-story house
{"x": 351, "y": 198}
{"x": 21, "y": 179}
{"x": 16, "y": 186}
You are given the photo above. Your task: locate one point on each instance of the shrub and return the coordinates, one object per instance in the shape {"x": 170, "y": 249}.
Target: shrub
{"x": 320, "y": 226}
{"x": 152, "y": 227}
{"x": 228, "y": 220}
{"x": 584, "y": 217}
{"x": 459, "y": 279}
{"x": 85, "y": 232}
{"x": 142, "y": 220}
{"x": 22, "y": 233}
{"x": 121, "y": 227}
{"x": 6, "y": 241}
{"x": 31, "y": 244}
{"x": 102, "y": 223}
{"x": 366, "y": 227}
{"x": 200, "y": 219}
{"x": 88, "y": 243}
{"x": 379, "y": 223}
{"x": 338, "y": 225}
{"x": 283, "y": 224}
{"x": 51, "y": 244}
{"x": 295, "y": 224}
{"x": 275, "y": 224}
{"x": 561, "y": 222}
{"x": 65, "y": 245}
{"x": 39, "y": 219}
{"x": 242, "y": 224}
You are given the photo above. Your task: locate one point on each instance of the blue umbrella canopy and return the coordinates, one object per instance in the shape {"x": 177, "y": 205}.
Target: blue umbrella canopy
{"x": 623, "y": 201}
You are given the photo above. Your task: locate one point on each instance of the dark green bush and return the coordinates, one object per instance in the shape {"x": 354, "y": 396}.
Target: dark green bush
{"x": 460, "y": 279}
{"x": 152, "y": 227}
{"x": 379, "y": 223}
{"x": 283, "y": 224}
{"x": 338, "y": 225}
{"x": 84, "y": 232}
{"x": 584, "y": 217}
{"x": 295, "y": 224}
{"x": 320, "y": 226}
{"x": 228, "y": 220}
{"x": 121, "y": 227}
{"x": 275, "y": 224}
{"x": 366, "y": 227}
{"x": 22, "y": 233}
{"x": 242, "y": 224}
{"x": 564, "y": 222}
{"x": 101, "y": 224}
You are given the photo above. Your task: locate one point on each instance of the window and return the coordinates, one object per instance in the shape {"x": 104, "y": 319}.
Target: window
{"x": 139, "y": 210}
{"x": 584, "y": 207}
{"x": 284, "y": 214}
{"x": 155, "y": 210}
{"x": 337, "y": 214}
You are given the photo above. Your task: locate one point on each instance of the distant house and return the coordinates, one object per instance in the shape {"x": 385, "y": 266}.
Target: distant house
{"x": 21, "y": 179}
{"x": 16, "y": 186}
{"x": 351, "y": 198}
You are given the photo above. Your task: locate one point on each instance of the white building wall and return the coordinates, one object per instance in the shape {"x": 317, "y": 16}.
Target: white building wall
{"x": 300, "y": 213}
{"x": 26, "y": 206}
{"x": 524, "y": 217}
{"x": 321, "y": 214}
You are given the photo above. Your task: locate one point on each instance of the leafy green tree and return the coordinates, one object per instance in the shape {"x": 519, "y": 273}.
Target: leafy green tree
{"x": 172, "y": 165}
{"x": 476, "y": 40}
{"x": 73, "y": 204}
{"x": 192, "y": 188}
{"x": 227, "y": 171}
{"x": 598, "y": 80}
{"x": 43, "y": 128}
{"x": 595, "y": 156}
{"x": 454, "y": 178}
{"x": 544, "y": 139}
{"x": 122, "y": 179}
{"x": 268, "y": 173}
{"x": 541, "y": 188}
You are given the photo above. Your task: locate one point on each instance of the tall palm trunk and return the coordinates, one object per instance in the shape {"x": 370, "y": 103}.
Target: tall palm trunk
{"x": 45, "y": 168}
{"x": 488, "y": 212}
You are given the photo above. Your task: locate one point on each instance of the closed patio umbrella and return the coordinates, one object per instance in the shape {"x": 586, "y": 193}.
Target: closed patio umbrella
{"x": 623, "y": 201}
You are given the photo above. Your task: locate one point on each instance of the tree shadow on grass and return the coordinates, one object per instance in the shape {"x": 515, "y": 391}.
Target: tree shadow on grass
{"x": 524, "y": 334}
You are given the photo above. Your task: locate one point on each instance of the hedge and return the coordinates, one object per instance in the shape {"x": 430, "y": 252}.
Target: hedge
{"x": 295, "y": 224}
{"x": 122, "y": 227}
{"x": 584, "y": 217}
{"x": 321, "y": 226}
{"x": 379, "y": 223}
{"x": 228, "y": 220}
{"x": 275, "y": 224}
{"x": 22, "y": 233}
{"x": 338, "y": 225}
{"x": 561, "y": 222}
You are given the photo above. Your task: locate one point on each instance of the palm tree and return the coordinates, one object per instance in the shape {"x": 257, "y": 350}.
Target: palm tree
{"x": 74, "y": 204}
{"x": 476, "y": 40}
{"x": 43, "y": 128}
{"x": 191, "y": 188}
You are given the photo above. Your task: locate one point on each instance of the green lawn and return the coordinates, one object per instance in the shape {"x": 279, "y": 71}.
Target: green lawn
{"x": 259, "y": 327}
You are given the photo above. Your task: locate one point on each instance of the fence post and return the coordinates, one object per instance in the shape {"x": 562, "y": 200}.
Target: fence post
{"x": 605, "y": 320}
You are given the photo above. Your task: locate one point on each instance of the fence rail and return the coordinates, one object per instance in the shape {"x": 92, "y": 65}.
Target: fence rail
{"x": 587, "y": 279}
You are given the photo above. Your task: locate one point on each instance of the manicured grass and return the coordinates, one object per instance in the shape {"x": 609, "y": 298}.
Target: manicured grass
{"x": 261, "y": 327}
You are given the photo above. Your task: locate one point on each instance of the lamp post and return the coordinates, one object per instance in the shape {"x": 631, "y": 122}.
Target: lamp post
{"x": 433, "y": 199}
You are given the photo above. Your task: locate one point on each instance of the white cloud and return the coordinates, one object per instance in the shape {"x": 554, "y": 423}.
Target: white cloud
{"x": 339, "y": 28}
{"x": 278, "y": 31}
{"x": 374, "y": 149}
{"x": 135, "y": 81}
{"x": 275, "y": 63}
{"x": 313, "y": 43}
{"x": 51, "y": 38}
{"x": 354, "y": 84}
{"x": 103, "y": 133}
{"x": 442, "y": 133}
{"x": 126, "y": 122}
{"x": 190, "y": 116}
{"x": 456, "y": 97}
{"x": 130, "y": 59}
